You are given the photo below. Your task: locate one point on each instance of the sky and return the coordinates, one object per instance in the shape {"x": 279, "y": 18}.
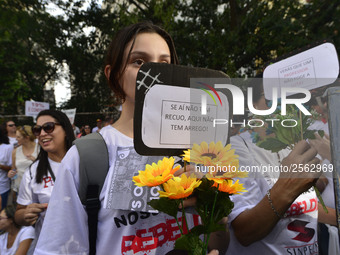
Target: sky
{"x": 62, "y": 89}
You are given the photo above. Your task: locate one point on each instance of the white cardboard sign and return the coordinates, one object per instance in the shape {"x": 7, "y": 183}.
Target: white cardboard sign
{"x": 310, "y": 69}
{"x": 33, "y": 108}
{"x": 175, "y": 120}
{"x": 71, "y": 114}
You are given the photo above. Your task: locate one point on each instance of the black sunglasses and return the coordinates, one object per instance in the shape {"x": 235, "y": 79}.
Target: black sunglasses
{"x": 11, "y": 125}
{"x": 48, "y": 127}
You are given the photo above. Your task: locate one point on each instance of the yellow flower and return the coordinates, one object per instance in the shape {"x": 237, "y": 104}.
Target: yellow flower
{"x": 156, "y": 174}
{"x": 228, "y": 186}
{"x": 219, "y": 158}
{"x": 180, "y": 187}
{"x": 229, "y": 175}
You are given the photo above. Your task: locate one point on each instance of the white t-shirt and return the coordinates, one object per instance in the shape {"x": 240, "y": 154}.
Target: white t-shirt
{"x": 65, "y": 229}
{"x": 32, "y": 192}
{"x": 13, "y": 141}
{"x": 23, "y": 234}
{"x": 295, "y": 234}
{"x": 94, "y": 129}
{"x": 5, "y": 159}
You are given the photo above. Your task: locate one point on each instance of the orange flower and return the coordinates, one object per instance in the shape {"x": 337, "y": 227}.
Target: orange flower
{"x": 217, "y": 157}
{"x": 228, "y": 186}
{"x": 180, "y": 187}
{"x": 156, "y": 174}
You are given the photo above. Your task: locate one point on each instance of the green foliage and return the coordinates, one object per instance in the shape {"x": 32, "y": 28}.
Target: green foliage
{"x": 28, "y": 56}
{"x": 236, "y": 36}
{"x": 166, "y": 205}
{"x": 190, "y": 242}
{"x": 287, "y": 136}
{"x": 273, "y": 144}
{"x": 212, "y": 205}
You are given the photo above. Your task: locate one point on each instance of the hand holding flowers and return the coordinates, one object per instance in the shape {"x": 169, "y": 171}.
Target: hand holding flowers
{"x": 212, "y": 192}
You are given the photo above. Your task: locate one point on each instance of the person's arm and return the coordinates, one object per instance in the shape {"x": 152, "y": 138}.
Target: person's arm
{"x": 5, "y": 168}
{"x": 27, "y": 211}
{"x": 27, "y": 215}
{"x": 12, "y": 172}
{"x": 8, "y": 165}
{"x": 14, "y": 158}
{"x": 327, "y": 218}
{"x": 24, "y": 247}
{"x": 256, "y": 223}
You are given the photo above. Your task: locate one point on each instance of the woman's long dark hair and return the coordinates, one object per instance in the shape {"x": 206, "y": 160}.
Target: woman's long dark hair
{"x": 44, "y": 167}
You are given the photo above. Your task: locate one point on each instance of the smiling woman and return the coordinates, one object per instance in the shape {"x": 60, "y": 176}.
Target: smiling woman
{"x": 55, "y": 136}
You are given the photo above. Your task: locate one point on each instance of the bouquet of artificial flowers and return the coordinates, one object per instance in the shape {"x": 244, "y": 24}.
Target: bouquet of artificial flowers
{"x": 212, "y": 191}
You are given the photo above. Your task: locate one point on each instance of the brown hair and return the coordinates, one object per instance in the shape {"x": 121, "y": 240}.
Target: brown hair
{"x": 26, "y": 131}
{"x": 115, "y": 53}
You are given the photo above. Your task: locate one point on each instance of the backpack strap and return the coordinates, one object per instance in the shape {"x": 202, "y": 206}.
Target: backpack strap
{"x": 93, "y": 168}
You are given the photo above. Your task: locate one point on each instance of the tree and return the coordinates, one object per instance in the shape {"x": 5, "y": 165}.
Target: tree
{"x": 237, "y": 36}
{"x": 29, "y": 39}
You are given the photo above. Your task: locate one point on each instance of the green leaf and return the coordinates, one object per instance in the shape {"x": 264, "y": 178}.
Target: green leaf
{"x": 272, "y": 144}
{"x": 166, "y": 205}
{"x": 223, "y": 206}
{"x": 216, "y": 227}
{"x": 190, "y": 242}
{"x": 321, "y": 133}
{"x": 309, "y": 134}
{"x": 199, "y": 230}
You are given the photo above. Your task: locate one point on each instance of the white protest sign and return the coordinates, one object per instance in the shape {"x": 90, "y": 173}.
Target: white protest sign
{"x": 71, "y": 114}
{"x": 310, "y": 69}
{"x": 172, "y": 118}
{"x": 33, "y": 108}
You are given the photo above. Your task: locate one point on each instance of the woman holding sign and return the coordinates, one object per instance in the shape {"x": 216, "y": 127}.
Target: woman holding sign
{"x": 120, "y": 230}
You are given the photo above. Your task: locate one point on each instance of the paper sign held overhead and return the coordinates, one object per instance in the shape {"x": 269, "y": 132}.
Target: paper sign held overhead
{"x": 33, "y": 108}
{"x": 310, "y": 69}
{"x": 71, "y": 114}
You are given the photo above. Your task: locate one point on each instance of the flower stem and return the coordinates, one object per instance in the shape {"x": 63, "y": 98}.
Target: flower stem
{"x": 180, "y": 227}
{"x": 204, "y": 251}
{"x": 183, "y": 215}
{"x": 320, "y": 199}
{"x": 211, "y": 219}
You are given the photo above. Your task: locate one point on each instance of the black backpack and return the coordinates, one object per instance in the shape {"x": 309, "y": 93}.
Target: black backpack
{"x": 93, "y": 168}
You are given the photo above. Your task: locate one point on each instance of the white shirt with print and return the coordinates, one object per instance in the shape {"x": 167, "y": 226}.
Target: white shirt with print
{"x": 120, "y": 232}
{"x": 294, "y": 234}
{"x": 32, "y": 192}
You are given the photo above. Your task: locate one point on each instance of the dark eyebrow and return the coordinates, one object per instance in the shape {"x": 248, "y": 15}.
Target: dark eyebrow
{"x": 141, "y": 53}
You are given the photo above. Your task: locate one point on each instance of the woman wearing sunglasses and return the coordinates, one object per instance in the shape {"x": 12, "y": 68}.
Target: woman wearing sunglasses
{"x": 22, "y": 156}
{"x": 55, "y": 136}
{"x": 14, "y": 238}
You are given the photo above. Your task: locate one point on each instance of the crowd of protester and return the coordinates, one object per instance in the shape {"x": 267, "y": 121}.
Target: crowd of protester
{"x": 46, "y": 215}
